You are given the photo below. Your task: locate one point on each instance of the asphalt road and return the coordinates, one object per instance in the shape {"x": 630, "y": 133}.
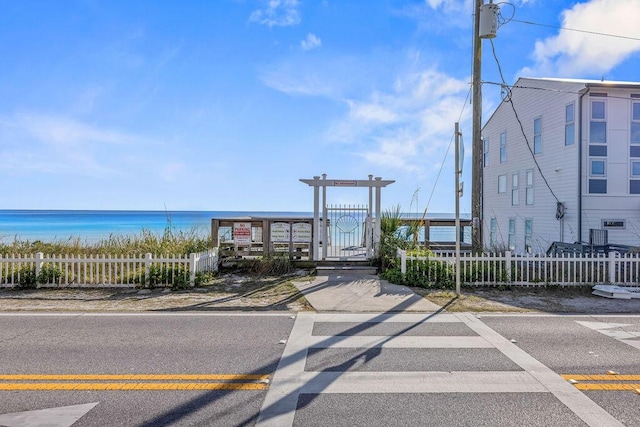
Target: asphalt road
{"x": 142, "y": 344}
{"x": 323, "y": 369}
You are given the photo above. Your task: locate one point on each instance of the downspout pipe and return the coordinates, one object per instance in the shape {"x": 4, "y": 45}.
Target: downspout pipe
{"x": 583, "y": 92}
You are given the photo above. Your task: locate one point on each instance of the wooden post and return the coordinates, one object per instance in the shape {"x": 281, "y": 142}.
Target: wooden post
{"x": 477, "y": 146}
{"x": 215, "y": 227}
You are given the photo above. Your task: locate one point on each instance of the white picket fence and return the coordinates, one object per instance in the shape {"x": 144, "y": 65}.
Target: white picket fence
{"x": 528, "y": 270}
{"x": 104, "y": 270}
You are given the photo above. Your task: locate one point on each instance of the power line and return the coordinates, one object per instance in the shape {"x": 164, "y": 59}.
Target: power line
{"x": 576, "y": 30}
{"x": 546, "y": 89}
{"x": 446, "y": 154}
{"x": 433, "y": 189}
{"x": 510, "y": 101}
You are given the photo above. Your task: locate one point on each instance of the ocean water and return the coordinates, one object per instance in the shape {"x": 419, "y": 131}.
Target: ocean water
{"x": 91, "y": 226}
{"x": 94, "y": 225}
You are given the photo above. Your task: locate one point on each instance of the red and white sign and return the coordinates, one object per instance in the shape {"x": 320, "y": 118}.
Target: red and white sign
{"x": 242, "y": 233}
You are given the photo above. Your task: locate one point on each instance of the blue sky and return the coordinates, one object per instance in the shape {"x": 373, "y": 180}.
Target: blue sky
{"x": 226, "y": 104}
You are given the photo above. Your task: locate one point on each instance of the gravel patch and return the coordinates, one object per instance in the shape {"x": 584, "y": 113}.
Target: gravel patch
{"x": 233, "y": 292}
{"x": 530, "y": 299}
{"x": 227, "y": 293}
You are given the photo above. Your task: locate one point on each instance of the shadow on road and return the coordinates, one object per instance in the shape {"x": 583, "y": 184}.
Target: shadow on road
{"x": 175, "y": 414}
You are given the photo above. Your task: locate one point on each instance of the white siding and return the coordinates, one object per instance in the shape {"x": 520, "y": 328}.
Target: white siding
{"x": 617, "y": 203}
{"x": 629, "y": 235}
{"x": 547, "y": 99}
{"x": 558, "y": 163}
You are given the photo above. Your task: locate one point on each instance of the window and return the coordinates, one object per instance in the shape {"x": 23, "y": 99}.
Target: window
{"x": 502, "y": 183}
{"x": 597, "y": 110}
{"x": 537, "y": 136}
{"x": 598, "y": 186}
{"x": 598, "y": 168}
{"x": 492, "y": 232}
{"x": 528, "y": 226}
{"x": 485, "y": 152}
{"x": 512, "y": 234}
{"x": 503, "y": 147}
{"x": 597, "y": 137}
{"x": 634, "y": 149}
{"x": 569, "y": 125}
{"x": 515, "y": 194}
{"x": 634, "y": 183}
{"x": 635, "y": 122}
{"x": 598, "y": 124}
{"x": 598, "y": 150}
{"x": 529, "y": 190}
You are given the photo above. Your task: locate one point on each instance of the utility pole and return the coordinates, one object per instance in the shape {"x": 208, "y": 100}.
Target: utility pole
{"x": 476, "y": 133}
{"x": 458, "y": 195}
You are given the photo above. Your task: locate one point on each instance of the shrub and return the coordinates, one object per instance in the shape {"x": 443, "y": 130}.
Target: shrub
{"x": 168, "y": 242}
{"x": 176, "y": 276}
{"x": 271, "y": 264}
{"x": 423, "y": 274}
{"x": 275, "y": 265}
{"x": 393, "y": 275}
{"x": 48, "y": 274}
{"x": 202, "y": 277}
{"x": 27, "y": 278}
{"x": 393, "y": 236}
{"x": 487, "y": 273}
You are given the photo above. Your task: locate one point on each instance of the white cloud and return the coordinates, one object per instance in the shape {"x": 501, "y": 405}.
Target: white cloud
{"x": 370, "y": 112}
{"x": 62, "y": 131}
{"x": 311, "y": 42}
{"x": 303, "y": 84}
{"x": 462, "y": 5}
{"x": 402, "y": 128}
{"x": 278, "y": 13}
{"x": 439, "y": 15}
{"x": 450, "y": 5}
{"x": 60, "y": 145}
{"x": 406, "y": 120}
{"x": 393, "y": 155}
{"x": 317, "y": 75}
{"x": 580, "y": 54}
{"x": 54, "y": 144}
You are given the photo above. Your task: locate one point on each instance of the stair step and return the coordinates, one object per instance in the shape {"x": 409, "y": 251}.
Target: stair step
{"x": 347, "y": 268}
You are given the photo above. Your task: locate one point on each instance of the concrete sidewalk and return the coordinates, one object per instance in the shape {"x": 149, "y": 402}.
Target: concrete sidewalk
{"x": 357, "y": 291}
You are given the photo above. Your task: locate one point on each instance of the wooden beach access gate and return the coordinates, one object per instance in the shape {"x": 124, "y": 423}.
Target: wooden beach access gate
{"x": 335, "y": 232}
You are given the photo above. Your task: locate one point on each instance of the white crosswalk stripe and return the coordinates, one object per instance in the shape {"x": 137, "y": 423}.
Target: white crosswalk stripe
{"x": 619, "y": 331}
{"x": 293, "y": 378}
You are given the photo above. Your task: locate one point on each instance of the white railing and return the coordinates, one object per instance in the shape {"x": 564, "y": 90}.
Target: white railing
{"x": 495, "y": 269}
{"x": 40, "y": 270}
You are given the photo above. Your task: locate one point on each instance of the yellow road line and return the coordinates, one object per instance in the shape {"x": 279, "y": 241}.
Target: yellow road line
{"x": 610, "y": 387}
{"x": 134, "y": 377}
{"x": 614, "y": 377}
{"x": 131, "y": 386}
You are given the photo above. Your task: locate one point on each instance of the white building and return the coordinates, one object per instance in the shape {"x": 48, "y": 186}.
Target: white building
{"x": 562, "y": 157}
